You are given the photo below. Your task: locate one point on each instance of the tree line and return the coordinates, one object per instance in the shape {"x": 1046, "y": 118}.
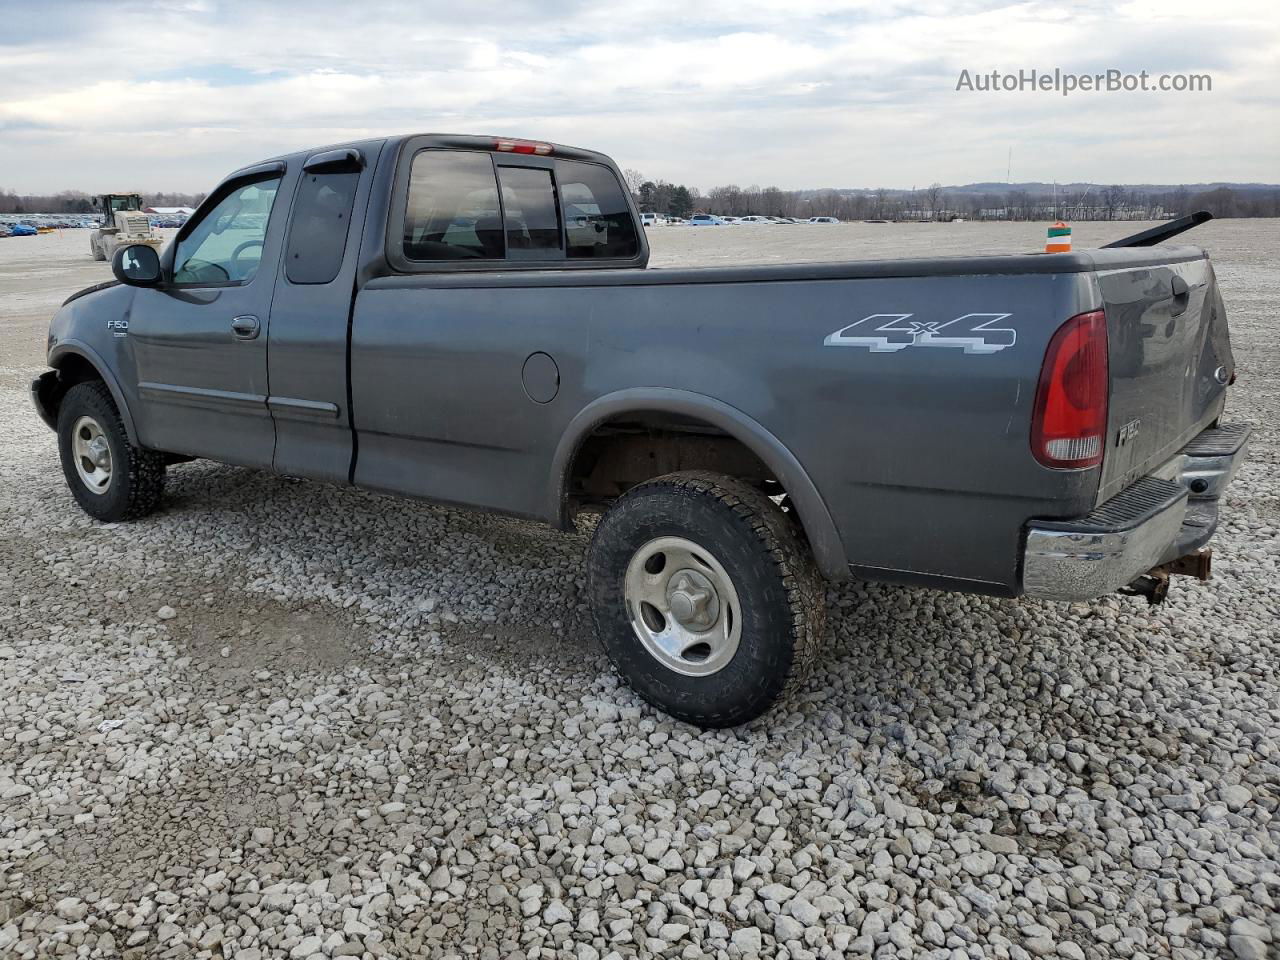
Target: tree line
{"x": 935, "y": 202}
{"x": 79, "y": 202}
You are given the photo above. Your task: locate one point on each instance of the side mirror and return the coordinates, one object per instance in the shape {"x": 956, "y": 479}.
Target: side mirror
{"x": 138, "y": 265}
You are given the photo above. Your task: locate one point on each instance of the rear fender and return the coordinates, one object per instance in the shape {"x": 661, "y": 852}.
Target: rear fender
{"x": 827, "y": 547}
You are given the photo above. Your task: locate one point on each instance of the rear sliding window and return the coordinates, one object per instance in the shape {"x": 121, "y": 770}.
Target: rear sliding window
{"x": 453, "y": 211}
{"x": 321, "y": 221}
{"x": 460, "y": 207}
{"x": 529, "y": 211}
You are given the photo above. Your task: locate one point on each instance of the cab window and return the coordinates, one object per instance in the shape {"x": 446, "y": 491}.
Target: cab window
{"x": 475, "y": 205}
{"x": 597, "y": 219}
{"x": 529, "y": 212}
{"x": 226, "y": 246}
{"x": 321, "y": 221}
{"x": 453, "y": 211}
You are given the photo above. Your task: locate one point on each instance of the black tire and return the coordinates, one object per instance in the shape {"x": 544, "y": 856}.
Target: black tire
{"x": 97, "y": 249}
{"x": 136, "y": 480}
{"x": 779, "y": 594}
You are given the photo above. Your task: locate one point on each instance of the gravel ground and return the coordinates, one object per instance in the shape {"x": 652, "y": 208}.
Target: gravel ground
{"x": 278, "y": 719}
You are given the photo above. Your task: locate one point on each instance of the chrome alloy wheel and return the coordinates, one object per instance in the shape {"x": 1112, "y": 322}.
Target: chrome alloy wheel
{"x": 683, "y": 606}
{"x": 92, "y": 454}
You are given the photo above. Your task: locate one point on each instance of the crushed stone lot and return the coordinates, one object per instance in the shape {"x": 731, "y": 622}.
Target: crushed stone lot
{"x": 280, "y": 719}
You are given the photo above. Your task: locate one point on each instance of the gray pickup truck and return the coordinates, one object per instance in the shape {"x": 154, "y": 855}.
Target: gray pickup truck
{"x": 470, "y": 320}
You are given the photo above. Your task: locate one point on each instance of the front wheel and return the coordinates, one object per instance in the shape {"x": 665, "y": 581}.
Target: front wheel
{"x": 111, "y": 479}
{"x": 705, "y": 597}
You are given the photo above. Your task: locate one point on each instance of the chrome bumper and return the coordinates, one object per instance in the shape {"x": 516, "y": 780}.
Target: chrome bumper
{"x": 1159, "y": 518}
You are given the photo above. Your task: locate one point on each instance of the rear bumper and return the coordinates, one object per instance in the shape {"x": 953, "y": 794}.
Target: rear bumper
{"x": 1160, "y": 518}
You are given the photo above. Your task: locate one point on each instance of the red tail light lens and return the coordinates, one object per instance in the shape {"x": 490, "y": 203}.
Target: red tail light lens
{"x": 522, "y": 146}
{"x": 1069, "y": 427}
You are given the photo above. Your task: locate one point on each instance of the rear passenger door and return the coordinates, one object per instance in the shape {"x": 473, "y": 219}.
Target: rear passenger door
{"x": 307, "y": 353}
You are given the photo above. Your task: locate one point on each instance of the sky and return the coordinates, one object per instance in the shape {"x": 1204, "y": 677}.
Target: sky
{"x": 174, "y": 94}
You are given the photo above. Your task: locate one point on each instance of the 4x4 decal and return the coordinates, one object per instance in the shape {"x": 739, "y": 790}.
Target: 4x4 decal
{"x": 891, "y": 332}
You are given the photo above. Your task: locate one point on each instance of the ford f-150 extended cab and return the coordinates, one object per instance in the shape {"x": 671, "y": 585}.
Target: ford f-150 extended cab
{"x": 471, "y": 320}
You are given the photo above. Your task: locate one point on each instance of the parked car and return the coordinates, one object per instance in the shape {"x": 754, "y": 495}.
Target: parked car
{"x": 1049, "y": 425}
{"x": 729, "y": 220}
{"x": 649, "y": 219}
{"x": 705, "y": 220}
{"x": 24, "y": 230}
{"x": 823, "y": 220}
{"x": 675, "y": 221}
{"x": 5, "y": 230}
{"x": 756, "y": 221}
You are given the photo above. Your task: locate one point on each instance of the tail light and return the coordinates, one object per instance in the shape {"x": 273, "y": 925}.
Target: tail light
{"x": 1069, "y": 425}
{"x": 522, "y": 146}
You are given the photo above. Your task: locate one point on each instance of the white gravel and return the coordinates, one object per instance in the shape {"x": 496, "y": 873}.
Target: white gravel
{"x": 284, "y": 720}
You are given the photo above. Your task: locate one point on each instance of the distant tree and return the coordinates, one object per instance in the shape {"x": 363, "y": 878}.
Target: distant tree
{"x": 1112, "y": 200}
{"x": 773, "y": 202}
{"x": 720, "y": 201}
{"x": 932, "y": 198}
{"x": 634, "y": 180}
{"x": 681, "y": 204}
{"x": 658, "y": 200}
{"x": 1220, "y": 202}
{"x": 1015, "y": 205}
{"x": 646, "y": 196}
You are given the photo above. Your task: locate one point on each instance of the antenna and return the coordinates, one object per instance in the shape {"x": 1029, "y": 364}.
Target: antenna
{"x": 1008, "y": 170}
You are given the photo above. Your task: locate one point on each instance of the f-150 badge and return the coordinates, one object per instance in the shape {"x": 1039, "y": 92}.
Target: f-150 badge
{"x": 891, "y": 332}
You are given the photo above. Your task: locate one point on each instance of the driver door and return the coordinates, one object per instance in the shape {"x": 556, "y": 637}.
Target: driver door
{"x": 200, "y": 338}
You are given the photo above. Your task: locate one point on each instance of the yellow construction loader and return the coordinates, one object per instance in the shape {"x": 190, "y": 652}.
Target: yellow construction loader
{"x": 123, "y": 224}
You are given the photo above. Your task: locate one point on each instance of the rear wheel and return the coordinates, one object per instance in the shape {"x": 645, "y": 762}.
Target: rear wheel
{"x": 95, "y": 247}
{"x": 110, "y": 478}
{"x": 705, "y": 597}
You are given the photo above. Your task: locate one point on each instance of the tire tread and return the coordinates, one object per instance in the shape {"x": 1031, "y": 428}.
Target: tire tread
{"x": 145, "y": 478}
{"x": 781, "y": 546}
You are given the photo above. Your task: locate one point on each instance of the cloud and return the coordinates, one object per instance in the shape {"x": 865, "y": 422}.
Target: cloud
{"x": 814, "y": 92}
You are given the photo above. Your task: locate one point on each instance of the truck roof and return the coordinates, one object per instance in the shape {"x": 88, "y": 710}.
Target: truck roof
{"x": 454, "y": 140}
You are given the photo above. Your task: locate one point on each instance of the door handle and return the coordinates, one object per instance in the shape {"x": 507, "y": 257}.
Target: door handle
{"x": 1181, "y": 295}
{"x": 246, "y": 328}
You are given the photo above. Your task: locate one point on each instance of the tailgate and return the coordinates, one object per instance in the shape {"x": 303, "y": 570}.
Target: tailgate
{"x": 1169, "y": 358}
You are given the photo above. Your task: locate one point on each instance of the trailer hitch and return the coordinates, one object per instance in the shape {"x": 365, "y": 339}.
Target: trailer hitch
{"x": 1154, "y": 584}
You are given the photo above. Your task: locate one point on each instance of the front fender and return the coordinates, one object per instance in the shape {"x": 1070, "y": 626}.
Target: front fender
{"x": 65, "y": 354}
{"x": 828, "y": 549}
